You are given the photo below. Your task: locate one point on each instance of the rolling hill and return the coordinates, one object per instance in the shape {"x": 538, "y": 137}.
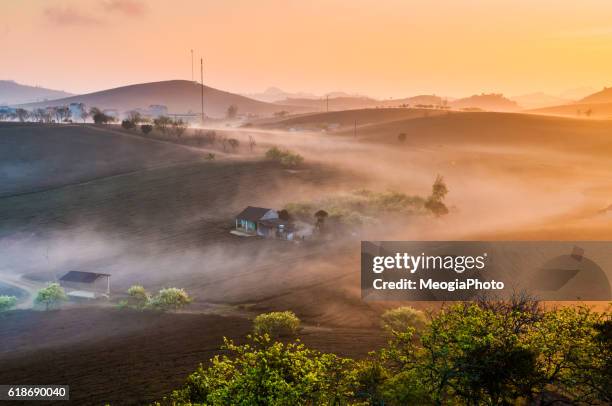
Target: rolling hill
{"x": 603, "y": 96}
{"x": 180, "y": 96}
{"x": 12, "y": 92}
{"x": 490, "y": 102}
{"x": 539, "y": 100}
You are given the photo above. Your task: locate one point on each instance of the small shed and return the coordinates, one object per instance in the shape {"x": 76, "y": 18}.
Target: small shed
{"x": 86, "y": 285}
{"x": 247, "y": 221}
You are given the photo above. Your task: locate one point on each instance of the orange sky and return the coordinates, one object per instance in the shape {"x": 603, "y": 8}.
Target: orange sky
{"x": 384, "y": 48}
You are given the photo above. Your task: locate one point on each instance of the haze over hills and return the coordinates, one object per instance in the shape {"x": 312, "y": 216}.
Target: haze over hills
{"x": 179, "y": 96}
{"x": 12, "y": 92}
{"x": 539, "y": 99}
{"x": 490, "y": 102}
{"x": 603, "y": 96}
{"x": 598, "y": 105}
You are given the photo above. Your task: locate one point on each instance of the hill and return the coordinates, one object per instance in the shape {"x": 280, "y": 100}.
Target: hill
{"x": 12, "y": 92}
{"x": 539, "y": 100}
{"x": 603, "y": 96}
{"x": 594, "y": 110}
{"x": 334, "y": 103}
{"x": 180, "y": 96}
{"x": 490, "y": 102}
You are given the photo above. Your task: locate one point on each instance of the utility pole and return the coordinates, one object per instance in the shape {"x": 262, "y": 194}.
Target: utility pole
{"x": 192, "y": 65}
{"x": 355, "y": 129}
{"x": 202, "y": 79}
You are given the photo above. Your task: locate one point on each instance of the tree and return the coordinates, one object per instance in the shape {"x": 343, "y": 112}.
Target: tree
{"x": 127, "y": 124}
{"x": 99, "y": 117}
{"x": 170, "y": 299}
{"x": 232, "y": 111}
{"x": 146, "y": 128}
{"x": 51, "y": 296}
{"x": 403, "y": 318}
{"x": 224, "y": 141}
{"x": 435, "y": 202}
{"x": 281, "y": 113}
{"x": 83, "y": 113}
{"x": 62, "y": 113}
{"x": 139, "y": 296}
{"x": 588, "y": 113}
{"x": 320, "y": 215}
{"x": 284, "y": 215}
{"x": 7, "y": 302}
{"x": 134, "y": 117}
{"x": 162, "y": 123}
{"x": 276, "y": 323}
{"x": 401, "y": 137}
{"x": 179, "y": 127}
{"x": 251, "y": 143}
{"x": 263, "y": 372}
{"x": 22, "y": 114}
{"x": 234, "y": 143}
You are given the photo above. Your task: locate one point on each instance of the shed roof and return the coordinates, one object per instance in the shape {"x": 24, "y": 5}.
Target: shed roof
{"x": 252, "y": 213}
{"x": 82, "y": 277}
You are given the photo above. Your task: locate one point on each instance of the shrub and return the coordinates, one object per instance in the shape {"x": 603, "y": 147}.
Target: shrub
{"x": 139, "y": 295}
{"x": 210, "y": 156}
{"x": 162, "y": 123}
{"x": 146, "y": 128}
{"x": 263, "y": 372}
{"x": 7, "y": 302}
{"x": 170, "y": 299}
{"x": 276, "y": 323}
{"x": 127, "y": 124}
{"x": 51, "y": 296}
{"x": 402, "y": 319}
{"x": 284, "y": 157}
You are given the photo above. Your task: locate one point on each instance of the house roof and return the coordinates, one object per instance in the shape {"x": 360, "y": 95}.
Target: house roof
{"x": 252, "y": 213}
{"x": 82, "y": 277}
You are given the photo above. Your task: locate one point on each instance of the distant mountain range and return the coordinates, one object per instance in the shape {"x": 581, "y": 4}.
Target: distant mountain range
{"x": 12, "y": 93}
{"x": 598, "y": 104}
{"x": 539, "y": 99}
{"x": 179, "y": 96}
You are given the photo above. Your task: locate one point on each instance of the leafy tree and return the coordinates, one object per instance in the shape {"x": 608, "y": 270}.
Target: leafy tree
{"x": 135, "y": 117}
{"x": 284, "y": 157}
{"x": 210, "y": 156}
{"x": 127, "y": 124}
{"x": 170, "y": 299}
{"x": 99, "y": 117}
{"x": 263, "y": 372}
{"x": 321, "y": 215}
{"x": 7, "y": 302}
{"x": 401, "y": 137}
{"x": 51, "y": 296}
{"x": 146, "y": 128}
{"x": 284, "y": 215}
{"x": 139, "y": 296}
{"x": 232, "y": 111}
{"x": 402, "y": 318}
{"x": 276, "y": 323}
{"x": 435, "y": 202}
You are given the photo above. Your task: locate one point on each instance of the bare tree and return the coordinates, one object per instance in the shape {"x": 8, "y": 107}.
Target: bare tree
{"x": 251, "y": 143}
{"x": 22, "y": 114}
{"x": 234, "y": 143}
{"x": 223, "y": 140}
{"x": 232, "y": 111}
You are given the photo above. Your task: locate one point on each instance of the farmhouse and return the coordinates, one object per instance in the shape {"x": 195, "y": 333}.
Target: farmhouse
{"x": 86, "y": 285}
{"x": 263, "y": 222}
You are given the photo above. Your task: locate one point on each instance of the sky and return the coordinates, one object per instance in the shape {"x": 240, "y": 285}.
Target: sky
{"x": 382, "y": 48}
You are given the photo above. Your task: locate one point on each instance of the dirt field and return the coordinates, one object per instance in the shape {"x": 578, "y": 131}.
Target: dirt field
{"x": 158, "y": 214}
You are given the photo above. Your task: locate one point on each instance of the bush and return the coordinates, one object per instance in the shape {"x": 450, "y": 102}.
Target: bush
{"x": 263, "y": 372}
{"x": 139, "y": 296}
{"x": 7, "y": 302}
{"x": 170, "y": 299}
{"x": 146, "y": 128}
{"x": 402, "y": 319}
{"x": 276, "y": 323}
{"x": 284, "y": 157}
{"x": 51, "y": 296}
{"x": 127, "y": 124}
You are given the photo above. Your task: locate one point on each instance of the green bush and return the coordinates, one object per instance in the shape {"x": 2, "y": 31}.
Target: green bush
{"x": 263, "y": 372}
{"x": 276, "y": 323}
{"x": 170, "y": 299}
{"x": 51, "y": 296}
{"x": 7, "y": 302}
{"x": 285, "y": 157}
{"x": 140, "y": 297}
{"x": 403, "y": 318}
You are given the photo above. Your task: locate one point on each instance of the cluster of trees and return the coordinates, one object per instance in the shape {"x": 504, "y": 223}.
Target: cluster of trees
{"x": 485, "y": 353}
{"x": 210, "y": 138}
{"x": 285, "y": 157}
{"x": 7, "y": 302}
{"x": 166, "y": 299}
